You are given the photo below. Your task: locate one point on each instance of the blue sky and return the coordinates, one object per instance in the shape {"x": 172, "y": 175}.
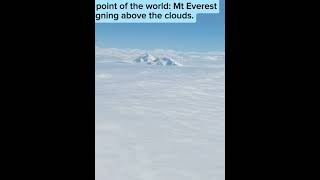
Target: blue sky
{"x": 208, "y": 34}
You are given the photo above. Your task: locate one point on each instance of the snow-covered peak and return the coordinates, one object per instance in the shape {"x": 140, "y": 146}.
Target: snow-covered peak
{"x": 166, "y": 61}
{"x": 149, "y": 59}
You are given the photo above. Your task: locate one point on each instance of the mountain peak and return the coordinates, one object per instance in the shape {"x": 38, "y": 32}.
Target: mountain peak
{"x": 151, "y": 60}
{"x": 147, "y": 58}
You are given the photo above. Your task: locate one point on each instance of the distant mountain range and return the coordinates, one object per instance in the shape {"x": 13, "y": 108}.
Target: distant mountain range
{"x": 151, "y": 60}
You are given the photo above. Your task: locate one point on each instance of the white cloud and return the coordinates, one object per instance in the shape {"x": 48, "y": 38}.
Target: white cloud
{"x": 103, "y": 76}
